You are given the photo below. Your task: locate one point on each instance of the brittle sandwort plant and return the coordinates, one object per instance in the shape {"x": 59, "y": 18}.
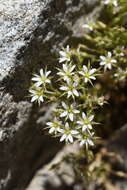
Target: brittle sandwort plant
{"x": 83, "y": 77}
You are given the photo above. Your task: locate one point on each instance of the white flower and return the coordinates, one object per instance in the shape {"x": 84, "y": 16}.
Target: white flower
{"x": 69, "y": 111}
{"x": 88, "y": 73}
{"x": 86, "y": 139}
{"x": 70, "y": 89}
{"x": 37, "y": 95}
{"x": 107, "y": 61}
{"x": 88, "y": 26}
{"x": 87, "y": 142}
{"x": 113, "y": 2}
{"x": 66, "y": 73}
{"x": 101, "y": 100}
{"x": 54, "y": 126}
{"x": 85, "y": 122}
{"x": 119, "y": 51}
{"x": 121, "y": 74}
{"x": 42, "y": 78}
{"x": 121, "y": 54}
{"x": 64, "y": 55}
{"x": 68, "y": 134}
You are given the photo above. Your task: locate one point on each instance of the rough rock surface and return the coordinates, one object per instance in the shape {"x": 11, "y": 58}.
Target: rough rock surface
{"x": 59, "y": 177}
{"x": 31, "y": 32}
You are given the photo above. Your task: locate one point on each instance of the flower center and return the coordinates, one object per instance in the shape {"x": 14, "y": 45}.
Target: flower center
{"x": 87, "y": 75}
{"x": 108, "y": 60}
{"x": 86, "y": 121}
{"x": 70, "y": 110}
{"x": 40, "y": 93}
{"x": 43, "y": 78}
{"x": 67, "y": 132}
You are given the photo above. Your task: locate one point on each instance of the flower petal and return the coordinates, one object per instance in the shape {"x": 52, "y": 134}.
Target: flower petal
{"x": 65, "y": 68}
{"x": 70, "y": 138}
{"x": 63, "y": 53}
{"x": 63, "y": 88}
{"x": 86, "y": 79}
{"x": 82, "y": 142}
{"x": 91, "y": 117}
{"x": 47, "y": 73}
{"x": 74, "y": 132}
{"x": 103, "y": 63}
{"x": 41, "y": 98}
{"x": 66, "y": 125}
{"x": 75, "y": 92}
{"x": 49, "y": 123}
{"x": 89, "y": 126}
{"x": 92, "y": 71}
{"x": 63, "y": 114}
{"x": 64, "y": 105}
{"x": 41, "y": 72}
{"x": 109, "y": 66}
{"x": 80, "y": 122}
{"x": 85, "y": 26}
{"x": 36, "y": 79}
{"x": 63, "y": 137}
{"x": 32, "y": 91}
{"x": 62, "y": 59}
{"x": 37, "y": 84}
{"x": 92, "y": 77}
{"x": 90, "y": 142}
{"x": 52, "y": 130}
{"x": 47, "y": 81}
{"x": 75, "y": 84}
{"x": 71, "y": 116}
{"x": 76, "y": 111}
{"x": 103, "y": 58}
{"x": 67, "y": 48}
{"x": 84, "y": 127}
{"x": 113, "y": 61}
{"x": 81, "y": 72}
{"x": 60, "y": 130}
{"x": 83, "y": 115}
{"x": 85, "y": 68}
{"x": 109, "y": 54}
{"x": 69, "y": 93}
{"x": 34, "y": 98}
{"x": 61, "y": 73}
{"x": 72, "y": 68}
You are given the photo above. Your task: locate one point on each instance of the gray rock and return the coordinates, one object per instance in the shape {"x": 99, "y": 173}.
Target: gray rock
{"x": 17, "y": 20}
{"x": 31, "y": 33}
{"x": 57, "y": 174}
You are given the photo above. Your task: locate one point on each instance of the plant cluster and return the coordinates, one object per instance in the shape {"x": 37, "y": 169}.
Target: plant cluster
{"x": 81, "y": 74}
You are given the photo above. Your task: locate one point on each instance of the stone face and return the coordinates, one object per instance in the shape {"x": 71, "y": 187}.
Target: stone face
{"x": 31, "y": 32}
{"x": 17, "y": 21}
{"x": 23, "y": 145}
{"x": 59, "y": 177}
